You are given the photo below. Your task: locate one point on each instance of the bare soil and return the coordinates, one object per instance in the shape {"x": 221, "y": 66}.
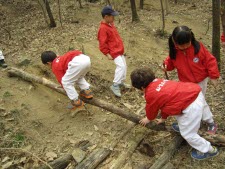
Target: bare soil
{"x": 36, "y": 118}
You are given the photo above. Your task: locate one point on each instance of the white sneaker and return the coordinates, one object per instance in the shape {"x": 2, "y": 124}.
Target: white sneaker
{"x": 116, "y": 90}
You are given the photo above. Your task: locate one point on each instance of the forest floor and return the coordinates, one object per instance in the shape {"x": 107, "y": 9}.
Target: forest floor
{"x": 35, "y": 118}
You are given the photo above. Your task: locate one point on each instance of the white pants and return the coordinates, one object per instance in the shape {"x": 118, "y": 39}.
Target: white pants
{"x": 77, "y": 69}
{"x": 203, "y": 85}
{"x": 1, "y": 55}
{"x": 189, "y": 123}
{"x": 121, "y": 69}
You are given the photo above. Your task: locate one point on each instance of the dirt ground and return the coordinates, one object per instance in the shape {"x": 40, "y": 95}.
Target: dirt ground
{"x": 36, "y": 118}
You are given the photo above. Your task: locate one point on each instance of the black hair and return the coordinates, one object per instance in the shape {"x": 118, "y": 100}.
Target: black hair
{"x": 140, "y": 78}
{"x": 182, "y": 35}
{"x": 47, "y": 56}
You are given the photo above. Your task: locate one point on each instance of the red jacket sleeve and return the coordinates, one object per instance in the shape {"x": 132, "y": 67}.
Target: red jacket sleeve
{"x": 211, "y": 64}
{"x": 151, "y": 111}
{"x": 169, "y": 64}
{"x": 103, "y": 41}
{"x": 222, "y": 37}
{"x": 164, "y": 115}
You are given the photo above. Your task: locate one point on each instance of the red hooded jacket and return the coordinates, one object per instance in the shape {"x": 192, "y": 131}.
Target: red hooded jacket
{"x": 170, "y": 97}
{"x": 60, "y": 64}
{"x": 191, "y": 67}
{"x": 109, "y": 40}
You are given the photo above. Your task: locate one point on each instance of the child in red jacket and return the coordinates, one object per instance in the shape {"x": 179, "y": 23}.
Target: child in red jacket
{"x": 185, "y": 101}
{"x": 70, "y": 69}
{"x": 194, "y": 63}
{"x": 111, "y": 45}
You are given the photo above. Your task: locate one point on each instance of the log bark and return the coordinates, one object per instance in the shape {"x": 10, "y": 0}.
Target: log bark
{"x": 59, "y": 163}
{"x": 95, "y": 158}
{"x": 133, "y": 142}
{"x": 124, "y": 113}
{"x": 168, "y": 166}
{"x": 168, "y": 153}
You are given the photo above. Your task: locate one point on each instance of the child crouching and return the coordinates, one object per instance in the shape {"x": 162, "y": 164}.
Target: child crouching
{"x": 183, "y": 100}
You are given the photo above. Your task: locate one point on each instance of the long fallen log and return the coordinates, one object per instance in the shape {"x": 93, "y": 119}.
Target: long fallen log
{"x": 124, "y": 113}
{"x": 168, "y": 153}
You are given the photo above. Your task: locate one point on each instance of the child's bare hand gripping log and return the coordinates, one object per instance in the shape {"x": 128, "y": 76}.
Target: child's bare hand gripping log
{"x": 144, "y": 121}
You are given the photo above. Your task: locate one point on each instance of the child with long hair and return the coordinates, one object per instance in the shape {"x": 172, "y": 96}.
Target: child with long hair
{"x": 194, "y": 63}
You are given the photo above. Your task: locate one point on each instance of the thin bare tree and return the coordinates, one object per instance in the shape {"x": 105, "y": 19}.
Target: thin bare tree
{"x": 223, "y": 14}
{"x": 135, "y": 17}
{"x": 60, "y": 16}
{"x": 216, "y": 30}
{"x": 163, "y": 17}
{"x": 50, "y": 15}
{"x": 141, "y": 4}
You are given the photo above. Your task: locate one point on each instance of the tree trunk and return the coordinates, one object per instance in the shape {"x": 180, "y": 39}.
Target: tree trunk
{"x": 108, "y": 2}
{"x": 135, "y": 17}
{"x": 223, "y": 14}
{"x": 43, "y": 10}
{"x": 168, "y": 153}
{"x": 124, "y": 113}
{"x": 216, "y": 30}
{"x": 141, "y": 4}
{"x": 163, "y": 17}
{"x": 167, "y": 6}
{"x": 175, "y": 1}
{"x": 60, "y": 16}
{"x": 50, "y": 15}
{"x": 79, "y": 1}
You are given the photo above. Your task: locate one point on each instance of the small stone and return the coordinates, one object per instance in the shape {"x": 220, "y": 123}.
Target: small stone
{"x": 78, "y": 155}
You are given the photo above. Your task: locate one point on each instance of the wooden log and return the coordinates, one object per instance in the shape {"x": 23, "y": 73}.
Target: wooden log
{"x": 124, "y": 113}
{"x": 133, "y": 142}
{"x": 168, "y": 153}
{"x": 59, "y": 163}
{"x": 95, "y": 158}
{"x": 168, "y": 166}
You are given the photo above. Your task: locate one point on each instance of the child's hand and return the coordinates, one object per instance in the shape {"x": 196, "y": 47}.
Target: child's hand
{"x": 164, "y": 67}
{"x": 144, "y": 121}
{"x": 159, "y": 121}
{"x": 109, "y": 57}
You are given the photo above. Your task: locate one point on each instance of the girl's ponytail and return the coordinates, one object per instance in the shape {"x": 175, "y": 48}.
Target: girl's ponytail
{"x": 172, "y": 49}
{"x": 195, "y": 43}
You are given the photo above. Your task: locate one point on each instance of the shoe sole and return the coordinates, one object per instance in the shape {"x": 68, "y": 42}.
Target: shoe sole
{"x": 87, "y": 97}
{"x": 206, "y": 157}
